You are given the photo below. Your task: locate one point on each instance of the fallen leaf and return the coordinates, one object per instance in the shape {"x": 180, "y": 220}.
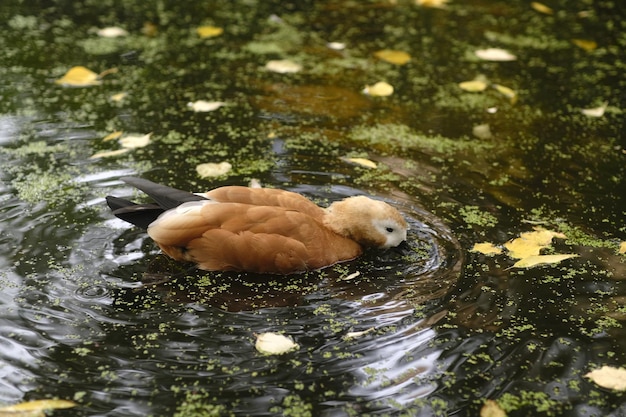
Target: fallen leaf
{"x": 495, "y": 54}
{"x": 596, "y": 111}
{"x": 482, "y": 131}
{"x": 209, "y": 31}
{"x": 541, "y": 8}
{"x": 587, "y": 45}
{"x": 609, "y": 377}
{"x": 534, "y": 260}
{"x": 274, "y": 344}
{"x": 492, "y": 409}
{"x": 38, "y": 405}
{"x": 531, "y": 243}
{"x": 507, "y": 92}
{"x": 112, "y": 32}
{"x": 392, "y": 56}
{"x": 622, "y": 248}
{"x": 79, "y": 77}
{"x": 336, "y": 46}
{"x": 283, "y": 66}
{"x": 380, "y": 89}
{"x": 205, "y": 106}
{"x": 432, "y": 3}
{"x": 474, "y": 86}
{"x": 354, "y": 335}
{"x": 106, "y": 154}
{"x": 351, "y": 276}
{"x": 112, "y": 136}
{"x": 118, "y": 97}
{"x": 486, "y": 248}
{"x": 135, "y": 141}
{"x": 361, "y": 161}
{"x": 211, "y": 169}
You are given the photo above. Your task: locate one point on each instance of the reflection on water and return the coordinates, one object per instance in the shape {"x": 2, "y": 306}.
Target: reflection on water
{"x": 90, "y": 311}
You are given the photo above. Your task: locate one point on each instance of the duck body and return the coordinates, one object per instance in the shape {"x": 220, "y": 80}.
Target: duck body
{"x": 259, "y": 230}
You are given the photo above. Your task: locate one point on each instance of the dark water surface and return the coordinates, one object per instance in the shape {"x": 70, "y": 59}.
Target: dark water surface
{"x": 91, "y": 312}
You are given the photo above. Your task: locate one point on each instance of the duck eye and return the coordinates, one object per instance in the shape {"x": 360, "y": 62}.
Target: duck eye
{"x": 389, "y": 229}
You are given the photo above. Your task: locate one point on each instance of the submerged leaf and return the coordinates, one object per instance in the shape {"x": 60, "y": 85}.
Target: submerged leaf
{"x": 380, "y": 89}
{"x": 209, "y": 31}
{"x": 283, "y": 66}
{"x": 274, "y": 344}
{"x": 392, "y": 56}
{"x": 541, "y": 8}
{"x": 609, "y": 377}
{"x": 495, "y": 54}
{"x": 534, "y": 260}
{"x": 205, "y": 106}
{"x": 486, "y": 248}
{"x": 79, "y": 77}
{"x": 585, "y": 44}
{"x": 212, "y": 169}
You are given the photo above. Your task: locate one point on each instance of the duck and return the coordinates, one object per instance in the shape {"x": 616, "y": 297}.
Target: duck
{"x": 259, "y": 230}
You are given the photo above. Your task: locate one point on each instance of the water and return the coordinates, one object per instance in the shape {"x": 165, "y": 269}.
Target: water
{"x": 91, "y": 312}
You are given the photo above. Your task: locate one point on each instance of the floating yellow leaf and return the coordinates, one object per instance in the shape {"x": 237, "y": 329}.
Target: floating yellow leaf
{"x": 432, "y": 3}
{"x": 541, "y": 8}
{"x": 274, "y": 344}
{"x": 38, "y": 405}
{"x": 211, "y": 169}
{"x": 534, "y": 260}
{"x": 473, "y": 86}
{"x": 79, "y": 77}
{"x": 283, "y": 66}
{"x": 135, "y": 141}
{"x": 622, "y": 248}
{"x": 361, "y": 161}
{"x": 380, "y": 89}
{"x": 596, "y": 111}
{"x": 112, "y": 32}
{"x": 205, "y": 106}
{"x": 209, "y": 31}
{"x": 507, "y": 92}
{"x": 486, "y": 248}
{"x": 106, "y": 154}
{"x": 392, "y": 56}
{"x": 531, "y": 243}
{"x": 492, "y": 409}
{"x": 495, "y": 54}
{"x": 112, "y": 136}
{"x": 587, "y": 45}
{"x": 609, "y": 377}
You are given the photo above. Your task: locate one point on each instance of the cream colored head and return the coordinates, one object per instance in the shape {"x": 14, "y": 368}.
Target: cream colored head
{"x": 367, "y": 221}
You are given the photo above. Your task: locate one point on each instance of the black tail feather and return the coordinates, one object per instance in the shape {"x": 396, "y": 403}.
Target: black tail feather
{"x": 166, "y": 197}
{"x": 141, "y": 215}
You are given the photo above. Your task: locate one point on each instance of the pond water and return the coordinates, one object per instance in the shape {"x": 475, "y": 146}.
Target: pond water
{"x": 91, "y": 312}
